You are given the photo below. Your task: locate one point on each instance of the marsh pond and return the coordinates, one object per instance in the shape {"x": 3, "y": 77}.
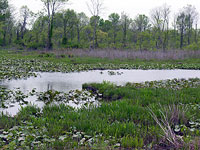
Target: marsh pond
{"x": 66, "y": 82}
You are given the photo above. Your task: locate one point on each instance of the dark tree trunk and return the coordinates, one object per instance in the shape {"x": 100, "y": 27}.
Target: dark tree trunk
{"x": 94, "y": 33}
{"x": 78, "y": 34}
{"x": 196, "y": 34}
{"x": 96, "y": 40}
{"x": 64, "y": 32}
{"x": 50, "y": 26}
{"x": 181, "y": 38}
{"x": 18, "y": 35}
{"x": 189, "y": 33}
{"x": 10, "y": 38}
{"x": 49, "y": 43}
{"x": 4, "y": 38}
{"x": 50, "y": 34}
{"x": 114, "y": 35}
{"x": 124, "y": 33}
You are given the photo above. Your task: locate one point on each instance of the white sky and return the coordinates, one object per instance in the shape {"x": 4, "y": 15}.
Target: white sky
{"x": 131, "y": 7}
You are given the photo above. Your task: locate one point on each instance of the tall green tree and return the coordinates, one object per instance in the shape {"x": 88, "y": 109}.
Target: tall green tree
{"x": 69, "y": 19}
{"x": 51, "y": 7}
{"x": 3, "y": 15}
{"x": 82, "y": 21}
{"x": 3, "y": 9}
{"x": 94, "y": 22}
{"x": 140, "y": 24}
{"x": 115, "y": 20}
{"x": 125, "y": 23}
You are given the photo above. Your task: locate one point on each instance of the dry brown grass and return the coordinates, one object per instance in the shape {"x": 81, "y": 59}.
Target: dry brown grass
{"x": 170, "y": 116}
{"x": 130, "y": 54}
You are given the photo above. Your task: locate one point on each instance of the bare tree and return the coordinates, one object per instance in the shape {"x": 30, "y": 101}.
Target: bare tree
{"x": 174, "y": 25}
{"x": 165, "y": 17}
{"x": 185, "y": 20}
{"x": 192, "y": 16}
{"x": 156, "y": 19}
{"x": 160, "y": 20}
{"x": 95, "y": 7}
{"x": 51, "y": 6}
{"x": 196, "y": 30}
{"x": 25, "y": 14}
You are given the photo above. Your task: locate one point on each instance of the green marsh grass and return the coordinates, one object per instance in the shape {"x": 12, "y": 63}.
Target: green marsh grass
{"x": 121, "y": 121}
{"x": 123, "y": 117}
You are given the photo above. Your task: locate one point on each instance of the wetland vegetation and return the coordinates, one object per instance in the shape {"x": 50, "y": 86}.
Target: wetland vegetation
{"x": 158, "y": 115}
{"x": 148, "y": 115}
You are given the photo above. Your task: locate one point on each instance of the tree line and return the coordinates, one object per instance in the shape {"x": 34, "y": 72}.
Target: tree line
{"x": 65, "y": 28}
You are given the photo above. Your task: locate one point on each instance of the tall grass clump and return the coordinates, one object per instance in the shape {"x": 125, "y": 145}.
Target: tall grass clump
{"x": 170, "y": 116}
{"x": 7, "y": 121}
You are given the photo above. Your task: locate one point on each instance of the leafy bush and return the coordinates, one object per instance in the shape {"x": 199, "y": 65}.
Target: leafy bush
{"x": 34, "y": 45}
{"x": 193, "y": 46}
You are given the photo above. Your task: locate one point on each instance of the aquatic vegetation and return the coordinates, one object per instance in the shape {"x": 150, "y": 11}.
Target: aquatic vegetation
{"x": 74, "y": 97}
{"x": 10, "y": 97}
{"x": 124, "y": 123}
{"x": 111, "y": 73}
{"x": 175, "y": 84}
{"x": 120, "y": 119}
{"x": 12, "y": 68}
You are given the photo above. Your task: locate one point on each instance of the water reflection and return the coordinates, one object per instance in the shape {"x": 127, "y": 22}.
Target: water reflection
{"x": 49, "y": 87}
{"x": 65, "y": 82}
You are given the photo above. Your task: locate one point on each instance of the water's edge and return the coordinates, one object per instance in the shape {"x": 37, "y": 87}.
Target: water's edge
{"x": 65, "y": 82}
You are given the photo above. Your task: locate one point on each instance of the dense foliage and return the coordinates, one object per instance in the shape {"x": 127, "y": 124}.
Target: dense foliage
{"x": 69, "y": 29}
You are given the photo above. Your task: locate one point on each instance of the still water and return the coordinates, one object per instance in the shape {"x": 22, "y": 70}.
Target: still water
{"x": 64, "y": 82}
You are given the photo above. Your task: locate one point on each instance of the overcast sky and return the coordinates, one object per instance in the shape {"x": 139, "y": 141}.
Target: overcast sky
{"x": 131, "y": 7}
